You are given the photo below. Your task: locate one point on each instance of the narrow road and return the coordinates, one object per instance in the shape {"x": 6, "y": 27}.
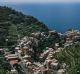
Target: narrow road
{"x": 22, "y": 65}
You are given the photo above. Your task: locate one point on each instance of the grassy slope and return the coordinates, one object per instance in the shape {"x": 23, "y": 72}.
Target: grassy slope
{"x": 14, "y": 24}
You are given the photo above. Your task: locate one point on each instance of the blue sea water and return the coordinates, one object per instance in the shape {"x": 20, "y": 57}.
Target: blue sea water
{"x": 59, "y": 17}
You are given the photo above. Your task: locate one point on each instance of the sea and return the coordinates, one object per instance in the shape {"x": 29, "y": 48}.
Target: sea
{"x": 59, "y": 16}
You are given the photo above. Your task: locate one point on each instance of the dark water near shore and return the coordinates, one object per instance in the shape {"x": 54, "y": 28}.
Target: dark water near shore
{"x": 59, "y": 17}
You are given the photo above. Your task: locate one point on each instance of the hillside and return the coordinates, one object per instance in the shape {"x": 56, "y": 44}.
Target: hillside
{"x": 14, "y": 25}
{"x": 69, "y": 57}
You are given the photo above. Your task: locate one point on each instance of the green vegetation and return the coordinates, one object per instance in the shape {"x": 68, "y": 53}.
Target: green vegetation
{"x": 48, "y": 41}
{"x": 4, "y": 65}
{"x": 45, "y": 40}
{"x": 15, "y": 25}
{"x": 71, "y": 57}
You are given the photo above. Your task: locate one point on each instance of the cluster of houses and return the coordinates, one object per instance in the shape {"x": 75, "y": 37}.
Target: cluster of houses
{"x": 11, "y": 58}
{"x": 72, "y": 36}
{"x": 46, "y": 63}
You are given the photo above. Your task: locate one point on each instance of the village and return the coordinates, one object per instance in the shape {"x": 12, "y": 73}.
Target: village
{"x": 46, "y": 64}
